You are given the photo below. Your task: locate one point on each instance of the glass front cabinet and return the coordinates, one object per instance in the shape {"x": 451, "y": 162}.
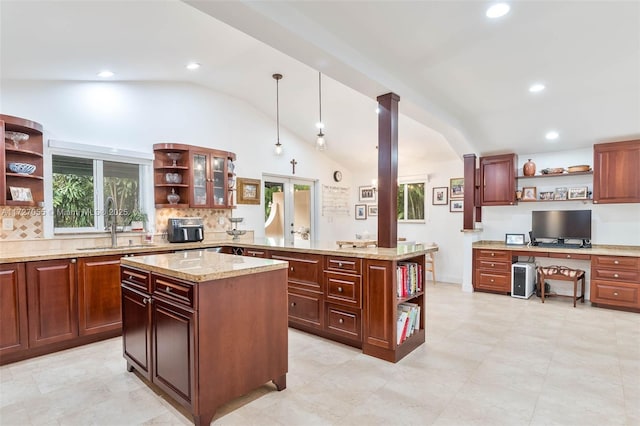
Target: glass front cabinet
{"x": 210, "y": 186}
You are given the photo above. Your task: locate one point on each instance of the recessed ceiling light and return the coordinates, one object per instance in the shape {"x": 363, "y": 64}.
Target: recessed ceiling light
{"x": 552, "y": 135}
{"x": 193, "y": 66}
{"x": 497, "y": 10}
{"x": 538, "y": 87}
{"x": 105, "y": 74}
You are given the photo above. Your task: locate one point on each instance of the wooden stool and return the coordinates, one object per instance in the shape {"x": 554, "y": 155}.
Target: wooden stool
{"x": 430, "y": 265}
{"x": 562, "y": 273}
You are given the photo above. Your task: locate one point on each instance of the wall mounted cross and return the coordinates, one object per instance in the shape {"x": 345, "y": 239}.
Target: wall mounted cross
{"x": 293, "y": 165}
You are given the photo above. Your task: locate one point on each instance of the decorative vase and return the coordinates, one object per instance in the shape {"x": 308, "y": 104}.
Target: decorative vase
{"x": 519, "y": 194}
{"x": 173, "y": 198}
{"x": 529, "y": 168}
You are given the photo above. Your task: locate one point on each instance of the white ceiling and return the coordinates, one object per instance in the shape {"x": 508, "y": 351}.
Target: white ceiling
{"x": 462, "y": 78}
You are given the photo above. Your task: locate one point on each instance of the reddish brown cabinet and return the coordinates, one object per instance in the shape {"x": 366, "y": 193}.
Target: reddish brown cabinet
{"x": 615, "y": 281}
{"x": 343, "y": 297}
{"x": 492, "y": 270}
{"x": 616, "y": 174}
{"x": 99, "y": 294}
{"x": 497, "y": 180}
{"x": 52, "y": 304}
{"x": 13, "y": 309}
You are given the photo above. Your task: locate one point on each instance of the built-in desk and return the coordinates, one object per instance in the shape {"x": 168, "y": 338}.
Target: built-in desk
{"x": 615, "y": 270}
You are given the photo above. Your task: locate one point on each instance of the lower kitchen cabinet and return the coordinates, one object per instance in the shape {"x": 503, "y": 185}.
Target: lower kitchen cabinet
{"x": 51, "y": 297}
{"x": 99, "y": 294}
{"x": 492, "y": 270}
{"x": 14, "y": 334}
{"x": 615, "y": 281}
{"x": 305, "y": 308}
{"x": 136, "y": 330}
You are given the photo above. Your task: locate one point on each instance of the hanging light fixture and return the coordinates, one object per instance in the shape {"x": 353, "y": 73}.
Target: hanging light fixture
{"x": 278, "y": 149}
{"x": 321, "y": 143}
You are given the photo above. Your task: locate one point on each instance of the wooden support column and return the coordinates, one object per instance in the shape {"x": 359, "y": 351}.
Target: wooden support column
{"x": 388, "y": 170}
{"x": 469, "y": 191}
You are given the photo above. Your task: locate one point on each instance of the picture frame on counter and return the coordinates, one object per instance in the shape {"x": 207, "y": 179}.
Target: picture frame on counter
{"x": 514, "y": 239}
{"x": 248, "y": 191}
{"x": 366, "y": 193}
{"x": 361, "y": 211}
{"x": 440, "y": 196}
{"x": 372, "y": 210}
{"x": 21, "y": 194}
{"x": 579, "y": 193}
{"x": 456, "y": 206}
{"x": 456, "y": 186}
{"x": 560, "y": 194}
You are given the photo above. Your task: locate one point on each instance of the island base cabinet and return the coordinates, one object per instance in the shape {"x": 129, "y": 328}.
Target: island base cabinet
{"x": 136, "y": 330}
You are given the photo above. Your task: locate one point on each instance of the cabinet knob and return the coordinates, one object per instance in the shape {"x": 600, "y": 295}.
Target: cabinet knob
{"x": 341, "y": 321}
{"x": 339, "y": 264}
{"x": 616, "y": 262}
{"x": 291, "y": 269}
{"x": 130, "y": 277}
{"x": 253, "y": 254}
{"x": 293, "y": 304}
{"x": 615, "y": 293}
{"x": 491, "y": 279}
{"x": 568, "y": 256}
{"x": 339, "y": 289}
{"x": 168, "y": 289}
{"x": 493, "y": 254}
{"x": 145, "y": 300}
{"x": 73, "y": 261}
{"x": 615, "y": 275}
{"x": 493, "y": 264}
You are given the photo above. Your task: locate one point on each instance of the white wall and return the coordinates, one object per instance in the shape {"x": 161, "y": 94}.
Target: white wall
{"x": 135, "y": 116}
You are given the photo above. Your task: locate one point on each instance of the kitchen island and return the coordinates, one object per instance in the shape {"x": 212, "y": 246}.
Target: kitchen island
{"x": 205, "y": 327}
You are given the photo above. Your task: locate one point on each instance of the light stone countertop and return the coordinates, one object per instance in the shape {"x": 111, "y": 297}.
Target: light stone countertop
{"x": 596, "y": 249}
{"x": 38, "y": 251}
{"x": 202, "y": 265}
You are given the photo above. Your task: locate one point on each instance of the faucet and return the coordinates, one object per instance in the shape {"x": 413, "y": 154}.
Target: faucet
{"x": 111, "y": 212}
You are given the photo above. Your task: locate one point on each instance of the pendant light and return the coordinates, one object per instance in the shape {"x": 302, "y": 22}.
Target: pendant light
{"x": 278, "y": 148}
{"x": 321, "y": 143}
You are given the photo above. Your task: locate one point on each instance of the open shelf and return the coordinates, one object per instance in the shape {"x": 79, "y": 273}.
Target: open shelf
{"x": 555, "y": 175}
{"x": 11, "y": 150}
{"x": 21, "y": 175}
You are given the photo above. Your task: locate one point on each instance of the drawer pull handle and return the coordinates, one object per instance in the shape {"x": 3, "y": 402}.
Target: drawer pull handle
{"x": 616, "y": 262}
{"x": 615, "y": 275}
{"x": 339, "y": 289}
{"x": 615, "y": 293}
{"x": 341, "y": 321}
{"x": 293, "y": 304}
{"x": 168, "y": 289}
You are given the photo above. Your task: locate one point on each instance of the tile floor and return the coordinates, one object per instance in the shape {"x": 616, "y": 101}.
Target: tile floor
{"x": 488, "y": 360}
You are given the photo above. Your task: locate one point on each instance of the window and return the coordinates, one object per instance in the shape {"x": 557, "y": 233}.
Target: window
{"x": 81, "y": 187}
{"x": 411, "y": 202}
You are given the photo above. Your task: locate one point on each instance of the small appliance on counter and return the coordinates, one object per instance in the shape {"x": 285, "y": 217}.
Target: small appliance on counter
{"x": 185, "y": 230}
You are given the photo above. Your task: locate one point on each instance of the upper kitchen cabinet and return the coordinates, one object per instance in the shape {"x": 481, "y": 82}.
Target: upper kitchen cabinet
{"x": 21, "y": 182}
{"x": 616, "y": 172}
{"x": 498, "y": 180}
{"x": 191, "y": 176}
{"x": 212, "y": 178}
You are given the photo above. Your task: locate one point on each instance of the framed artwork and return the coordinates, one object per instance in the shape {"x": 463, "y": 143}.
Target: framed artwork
{"x": 529, "y": 193}
{"x": 372, "y": 210}
{"x": 456, "y": 205}
{"x": 439, "y": 196}
{"x": 20, "y": 194}
{"x": 578, "y": 193}
{"x": 560, "y": 194}
{"x": 456, "y": 186}
{"x": 367, "y": 193}
{"x": 547, "y": 195}
{"x": 248, "y": 191}
{"x": 361, "y": 211}
{"x": 514, "y": 239}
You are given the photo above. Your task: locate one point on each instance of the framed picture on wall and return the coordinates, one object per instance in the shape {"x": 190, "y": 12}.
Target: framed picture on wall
{"x": 20, "y": 194}
{"x": 529, "y": 193}
{"x": 578, "y": 193}
{"x": 456, "y": 206}
{"x": 440, "y": 196}
{"x": 248, "y": 191}
{"x": 361, "y": 211}
{"x": 372, "y": 210}
{"x": 456, "y": 186}
{"x": 366, "y": 193}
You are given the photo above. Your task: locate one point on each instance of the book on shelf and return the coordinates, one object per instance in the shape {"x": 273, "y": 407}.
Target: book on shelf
{"x": 409, "y": 277}
{"x": 408, "y": 320}
{"x": 401, "y": 330}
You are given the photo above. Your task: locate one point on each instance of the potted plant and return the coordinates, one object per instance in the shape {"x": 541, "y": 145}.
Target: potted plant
{"x": 137, "y": 219}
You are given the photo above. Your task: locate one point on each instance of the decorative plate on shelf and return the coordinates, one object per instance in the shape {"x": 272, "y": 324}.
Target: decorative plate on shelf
{"x": 22, "y": 168}
{"x": 580, "y": 168}
{"x": 552, "y": 171}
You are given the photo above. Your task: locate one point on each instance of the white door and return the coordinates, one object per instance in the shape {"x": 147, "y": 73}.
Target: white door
{"x": 289, "y": 208}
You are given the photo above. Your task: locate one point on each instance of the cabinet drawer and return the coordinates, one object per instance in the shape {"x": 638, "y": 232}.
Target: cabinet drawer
{"x": 493, "y": 254}
{"x": 494, "y": 266}
{"x": 615, "y": 274}
{"x": 305, "y": 308}
{"x": 613, "y": 293}
{"x": 577, "y": 256}
{"x": 493, "y": 281}
{"x": 255, "y": 253}
{"x": 343, "y": 264}
{"x": 344, "y": 322}
{"x": 304, "y": 270}
{"x": 344, "y": 289}
{"x": 172, "y": 289}
{"x": 136, "y": 278}
{"x": 617, "y": 262}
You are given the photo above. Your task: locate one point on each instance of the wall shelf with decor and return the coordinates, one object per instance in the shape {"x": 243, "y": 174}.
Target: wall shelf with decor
{"x": 21, "y": 160}
{"x": 543, "y": 188}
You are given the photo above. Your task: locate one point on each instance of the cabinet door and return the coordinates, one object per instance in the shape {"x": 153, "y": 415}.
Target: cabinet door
{"x": 136, "y": 330}
{"x": 379, "y": 304}
{"x": 219, "y": 180}
{"x": 497, "y": 180}
{"x": 13, "y": 309}
{"x": 616, "y": 175}
{"x": 174, "y": 349}
{"x": 51, "y": 296}
{"x": 200, "y": 182}
{"x": 99, "y": 294}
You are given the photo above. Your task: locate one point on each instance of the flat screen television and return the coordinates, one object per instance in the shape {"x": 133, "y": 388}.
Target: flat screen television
{"x": 561, "y": 225}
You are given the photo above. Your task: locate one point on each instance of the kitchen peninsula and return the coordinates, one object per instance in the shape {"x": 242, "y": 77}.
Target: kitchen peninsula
{"x": 205, "y": 327}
